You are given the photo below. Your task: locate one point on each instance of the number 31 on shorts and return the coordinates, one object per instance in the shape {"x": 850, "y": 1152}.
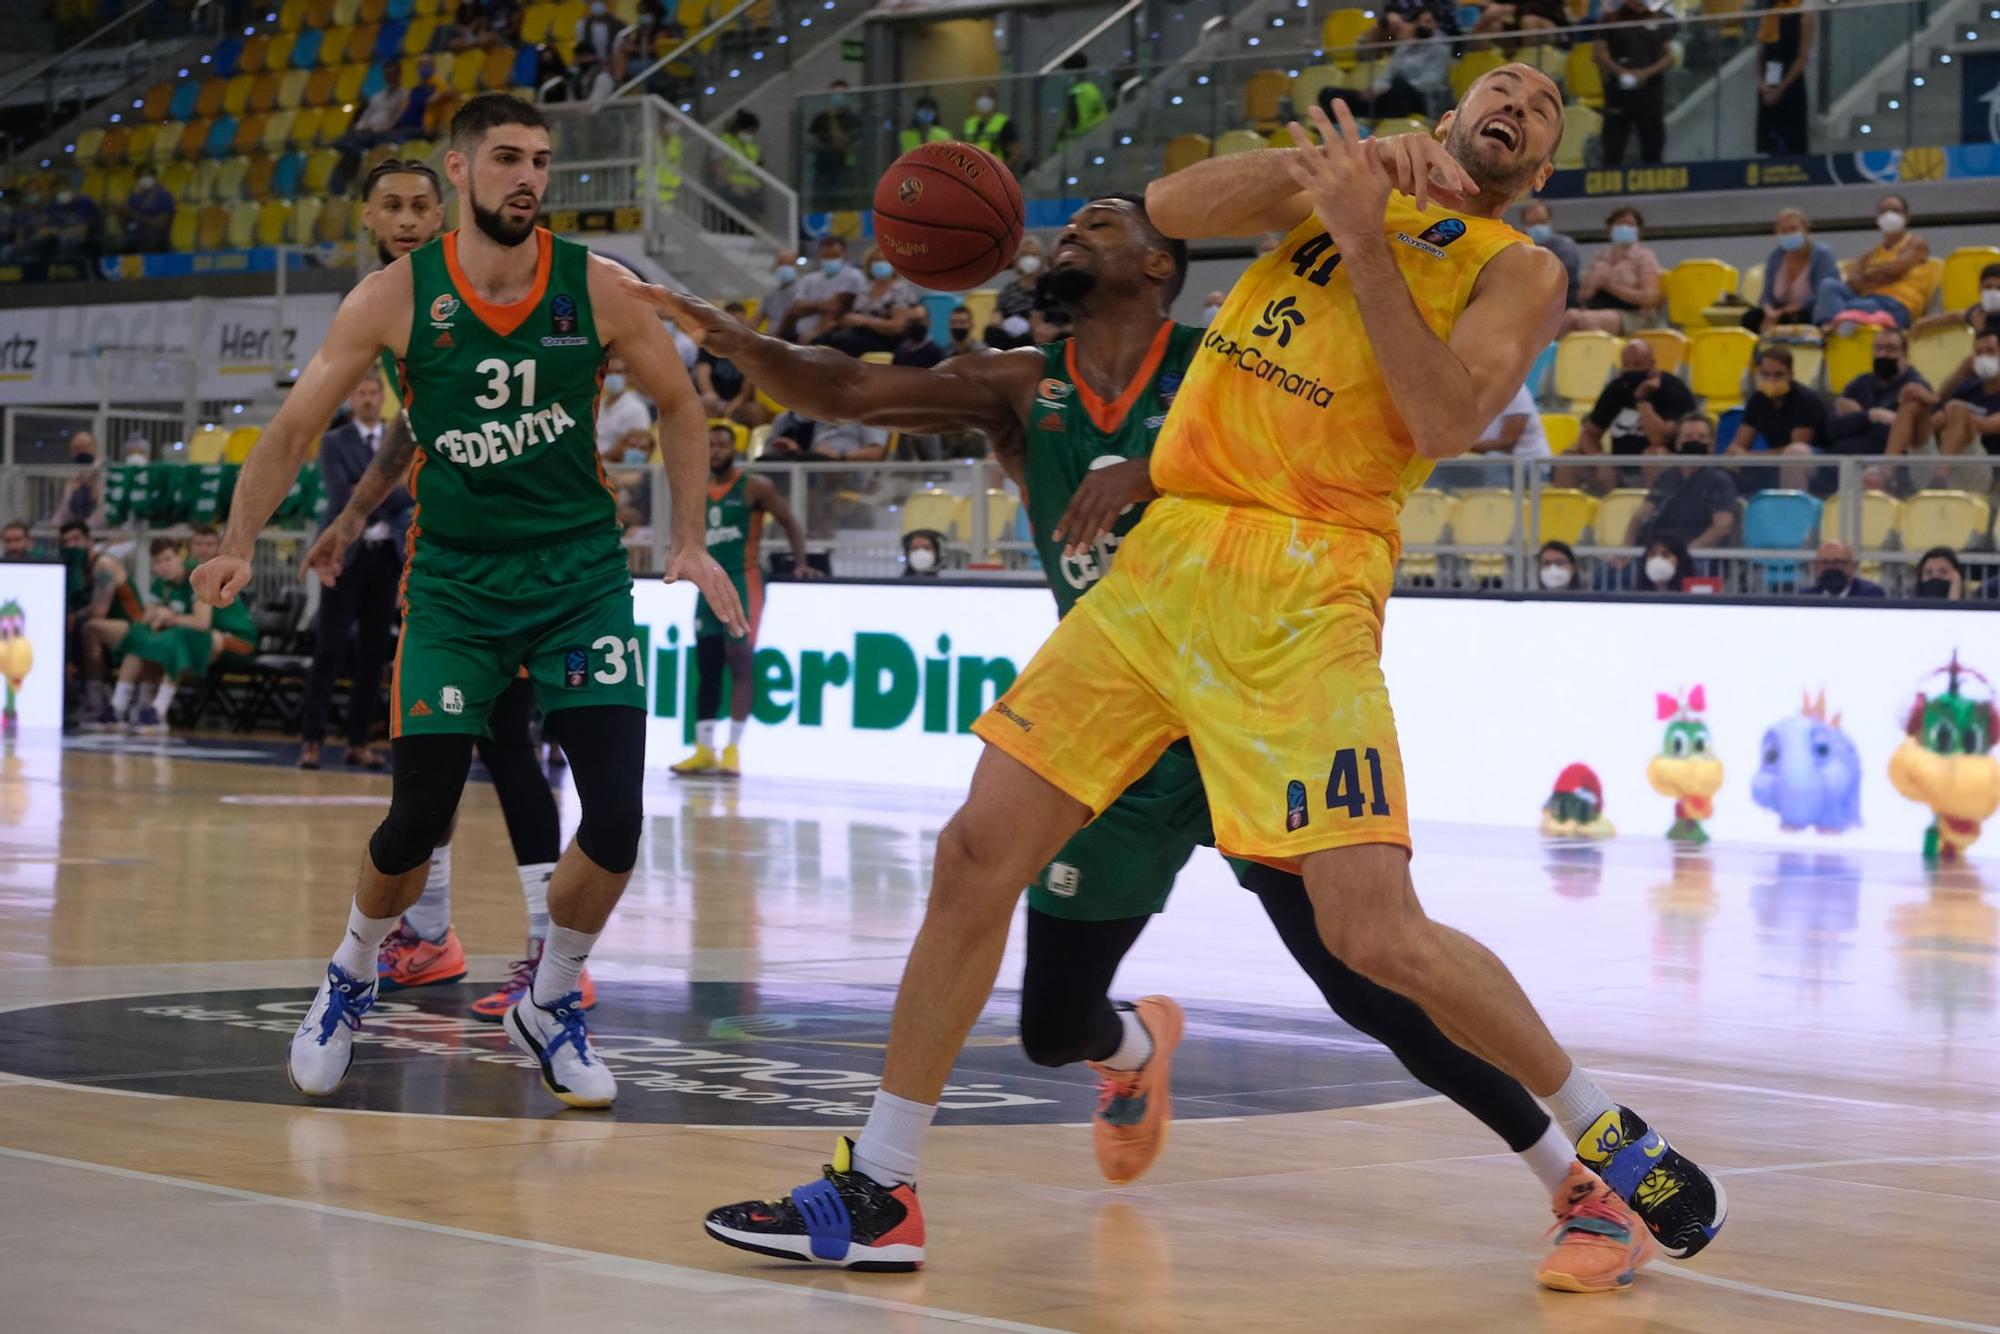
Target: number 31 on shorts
{"x": 614, "y": 667}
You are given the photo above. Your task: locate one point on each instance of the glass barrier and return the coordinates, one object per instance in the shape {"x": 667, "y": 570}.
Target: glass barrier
{"x": 1730, "y": 100}
{"x": 731, "y": 61}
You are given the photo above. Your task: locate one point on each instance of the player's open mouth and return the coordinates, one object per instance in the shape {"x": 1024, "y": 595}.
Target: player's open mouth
{"x": 1501, "y": 130}
{"x": 522, "y": 202}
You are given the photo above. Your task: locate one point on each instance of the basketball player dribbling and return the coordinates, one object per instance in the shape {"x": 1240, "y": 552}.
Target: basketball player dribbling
{"x": 1245, "y": 613}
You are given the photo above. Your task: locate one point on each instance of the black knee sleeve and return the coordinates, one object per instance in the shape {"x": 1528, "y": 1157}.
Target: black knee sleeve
{"x": 606, "y": 748}
{"x": 428, "y": 774}
{"x": 515, "y": 766}
{"x": 1066, "y": 1012}
{"x": 711, "y": 655}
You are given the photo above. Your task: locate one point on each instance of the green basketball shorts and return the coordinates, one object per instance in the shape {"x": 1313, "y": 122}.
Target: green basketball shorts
{"x": 1123, "y": 863}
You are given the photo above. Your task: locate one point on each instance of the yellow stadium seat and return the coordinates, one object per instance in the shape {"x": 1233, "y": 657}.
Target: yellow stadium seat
{"x": 1468, "y": 69}
{"x": 417, "y": 38}
{"x": 175, "y": 177}
{"x": 1001, "y": 507}
{"x": 110, "y": 147}
{"x": 1485, "y": 518}
{"x": 1581, "y": 124}
{"x": 139, "y": 146}
{"x": 166, "y": 144}
{"x": 181, "y": 234}
{"x": 1881, "y": 517}
{"x": 229, "y": 180}
{"x": 1562, "y": 429}
{"x": 255, "y": 58}
{"x": 1961, "y": 275}
{"x": 1342, "y": 31}
{"x": 333, "y": 123}
{"x": 1717, "y": 362}
{"x": 535, "y": 20}
{"x": 208, "y": 446}
{"x": 1550, "y": 59}
{"x": 319, "y": 170}
{"x": 318, "y": 88}
{"x": 240, "y": 442}
{"x": 1849, "y": 354}
{"x": 209, "y": 100}
{"x": 933, "y": 508}
{"x": 1692, "y": 286}
{"x": 333, "y": 48}
{"x": 373, "y": 10}
{"x": 118, "y": 186}
{"x": 361, "y": 43}
{"x": 1401, "y": 125}
{"x": 305, "y": 127}
{"x": 1565, "y": 515}
{"x": 154, "y": 106}
{"x": 1929, "y": 276}
{"x": 1938, "y": 351}
{"x": 213, "y": 229}
{"x": 278, "y": 52}
{"x": 497, "y": 68}
{"x": 292, "y": 15}
{"x": 1808, "y": 360}
{"x": 1184, "y": 150}
{"x": 465, "y": 74}
{"x": 1306, "y": 88}
{"x": 1955, "y": 519}
{"x": 264, "y": 92}
{"x": 1614, "y": 515}
{"x": 1427, "y": 514}
{"x": 347, "y": 83}
{"x": 346, "y": 12}
{"x": 277, "y": 131}
{"x": 1670, "y": 348}
{"x": 292, "y": 88}
{"x": 1264, "y": 96}
{"x": 257, "y": 179}
{"x": 273, "y": 217}
{"x": 236, "y": 94}
{"x": 87, "y": 142}
{"x": 1582, "y": 79}
{"x": 242, "y": 233}
{"x": 336, "y": 220}
{"x": 92, "y": 187}
{"x": 1238, "y": 141}
{"x": 1751, "y": 287}
{"x": 304, "y": 218}
{"x": 1584, "y": 361}
{"x": 201, "y": 179}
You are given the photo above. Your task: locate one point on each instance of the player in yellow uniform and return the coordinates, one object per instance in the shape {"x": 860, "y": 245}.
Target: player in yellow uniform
{"x": 1245, "y": 613}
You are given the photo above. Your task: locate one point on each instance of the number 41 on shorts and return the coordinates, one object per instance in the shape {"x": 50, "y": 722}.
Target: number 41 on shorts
{"x": 1344, "y": 793}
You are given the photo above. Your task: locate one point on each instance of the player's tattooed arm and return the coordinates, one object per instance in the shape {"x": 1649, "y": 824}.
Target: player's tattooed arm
{"x": 386, "y": 473}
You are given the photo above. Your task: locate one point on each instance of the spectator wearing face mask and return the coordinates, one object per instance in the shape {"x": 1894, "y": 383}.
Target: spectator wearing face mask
{"x": 991, "y": 129}
{"x": 1884, "y": 280}
{"x": 917, "y": 347}
{"x": 1621, "y": 289}
{"x": 149, "y": 216}
{"x": 589, "y": 78}
{"x": 1417, "y": 79}
{"x": 923, "y": 553}
{"x": 1016, "y": 301}
{"x": 620, "y": 408}
{"x": 924, "y": 127}
{"x": 1693, "y": 505}
{"x": 962, "y": 342}
{"x": 599, "y": 30}
{"x": 1556, "y": 570}
{"x": 1940, "y": 576}
{"x": 1786, "y": 415}
{"x": 830, "y": 139}
{"x": 1537, "y": 222}
{"x": 77, "y": 223}
{"x": 1666, "y": 566}
{"x": 1834, "y": 574}
{"x": 1885, "y": 410}
{"x": 1211, "y": 306}
{"x": 1793, "y": 274}
{"x": 820, "y": 298}
{"x": 1969, "y": 422}
{"x": 785, "y": 273}
{"x": 1981, "y": 315}
{"x": 1637, "y": 413}
{"x": 1633, "y": 50}
{"x": 883, "y": 311}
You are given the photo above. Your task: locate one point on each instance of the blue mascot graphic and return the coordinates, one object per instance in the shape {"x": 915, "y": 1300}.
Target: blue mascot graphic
{"x": 1811, "y": 772}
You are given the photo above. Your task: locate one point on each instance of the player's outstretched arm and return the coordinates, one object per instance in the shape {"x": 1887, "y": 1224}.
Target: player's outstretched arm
{"x": 965, "y": 393}
{"x": 373, "y": 313}
{"x": 1246, "y": 194}
{"x": 1445, "y": 393}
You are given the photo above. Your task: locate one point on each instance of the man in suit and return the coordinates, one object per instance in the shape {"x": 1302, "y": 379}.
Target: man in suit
{"x": 1834, "y": 574}
{"x": 361, "y": 605}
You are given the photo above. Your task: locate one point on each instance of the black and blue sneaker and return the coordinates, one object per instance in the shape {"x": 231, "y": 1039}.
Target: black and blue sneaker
{"x": 1681, "y": 1205}
{"x": 846, "y": 1218}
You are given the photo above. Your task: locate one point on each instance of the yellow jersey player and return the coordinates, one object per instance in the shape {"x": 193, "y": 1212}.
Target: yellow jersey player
{"x": 1244, "y": 612}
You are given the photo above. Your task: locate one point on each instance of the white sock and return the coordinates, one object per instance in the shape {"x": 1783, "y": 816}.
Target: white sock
{"x": 430, "y": 915}
{"x": 893, "y": 1139}
{"x": 1550, "y": 1157}
{"x": 736, "y": 726}
{"x": 1578, "y": 1104}
{"x": 1136, "y": 1048}
{"x": 562, "y": 963}
{"x": 704, "y": 734}
{"x": 363, "y": 941}
{"x": 535, "y": 892}
{"x": 121, "y": 696}
{"x": 163, "y": 699}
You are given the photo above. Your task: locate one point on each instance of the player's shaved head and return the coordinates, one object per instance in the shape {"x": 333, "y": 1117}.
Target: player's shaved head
{"x": 1111, "y": 245}
{"x": 1505, "y": 130}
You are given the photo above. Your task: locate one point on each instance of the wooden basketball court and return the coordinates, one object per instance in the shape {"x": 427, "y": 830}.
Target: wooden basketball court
{"x": 1820, "y": 1026}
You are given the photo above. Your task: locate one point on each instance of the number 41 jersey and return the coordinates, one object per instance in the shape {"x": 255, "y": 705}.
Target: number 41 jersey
{"x": 502, "y": 401}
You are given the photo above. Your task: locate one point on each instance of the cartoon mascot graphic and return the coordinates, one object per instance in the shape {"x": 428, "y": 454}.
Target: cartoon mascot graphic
{"x": 1576, "y": 808}
{"x": 1811, "y": 772}
{"x": 1946, "y": 763}
{"x": 17, "y": 656}
{"x": 1686, "y": 768}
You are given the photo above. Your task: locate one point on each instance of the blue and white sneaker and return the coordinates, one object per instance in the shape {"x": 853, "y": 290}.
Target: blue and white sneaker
{"x": 559, "y": 1038}
{"x": 1681, "y": 1205}
{"x": 106, "y": 719}
{"x": 323, "y": 1047}
{"x": 149, "y": 723}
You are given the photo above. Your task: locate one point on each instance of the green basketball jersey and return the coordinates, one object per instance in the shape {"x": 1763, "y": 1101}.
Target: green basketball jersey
{"x": 392, "y": 374}
{"x": 502, "y": 403}
{"x": 176, "y": 596}
{"x": 733, "y": 525}
{"x": 1070, "y": 431}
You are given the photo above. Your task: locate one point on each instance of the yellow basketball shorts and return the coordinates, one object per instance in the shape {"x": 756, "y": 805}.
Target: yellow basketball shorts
{"x": 1255, "y": 635}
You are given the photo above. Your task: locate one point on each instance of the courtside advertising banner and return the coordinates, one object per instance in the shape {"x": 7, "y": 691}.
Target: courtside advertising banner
{"x": 1802, "y": 727}
{"x": 31, "y": 647}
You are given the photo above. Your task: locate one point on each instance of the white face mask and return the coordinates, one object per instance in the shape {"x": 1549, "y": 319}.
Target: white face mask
{"x": 1989, "y": 300}
{"x": 785, "y": 276}
{"x": 614, "y": 385}
{"x": 1660, "y": 569}
{"x": 1890, "y": 221}
{"x": 1986, "y": 368}
{"x": 983, "y": 105}
{"x": 1555, "y": 576}
{"x": 1208, "y": 314}
{"x": 1029, "y": 264}
{"x": 922, "y": 559}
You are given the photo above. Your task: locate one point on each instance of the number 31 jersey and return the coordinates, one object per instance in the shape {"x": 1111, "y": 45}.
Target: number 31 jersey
{"x": 502, "y": 401}
{"x": 1285, "y": 408}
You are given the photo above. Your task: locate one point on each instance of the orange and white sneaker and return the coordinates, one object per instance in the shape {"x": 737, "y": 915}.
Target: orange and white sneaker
{"x": 493, "y": 1006}
{"x": 408, "y": 960}
{"x": 1600, "y": 1243}
{"x": 1133, "y": 1106}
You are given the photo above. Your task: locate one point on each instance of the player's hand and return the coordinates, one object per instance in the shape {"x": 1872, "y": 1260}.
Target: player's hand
{"x": 218, "y": 581}
{"x": 802, "y": 570}
{"x": 1419, "y": 166}
{"x": 714, "y": 330}
{"x": 1106, "y": 493}
{"x": 1341, "y": 176}
{"x": 157, "y": 617}
{"x": 695, "y": 565}
{"x": 329, "y": 551}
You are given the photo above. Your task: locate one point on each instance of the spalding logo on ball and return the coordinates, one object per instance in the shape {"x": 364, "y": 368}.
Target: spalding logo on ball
{"x": 948, "y": 216}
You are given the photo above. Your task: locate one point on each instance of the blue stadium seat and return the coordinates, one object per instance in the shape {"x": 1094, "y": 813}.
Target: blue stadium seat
{"x": 373, "y": 81}
{"x": 527, "y": 62}
{"x": 1538, "y": 374}
{"x": 285, "y": 178}
{"x": 1780, "y": 519}
{"x": 305, "y": 49}
{"x": 221, "y": 137}
{"x": 389, "y": 40}
{"x": 1725, "y": 428}
{"x": 181, "y": 107}
{"x": 402, "y": 10}
{"x": 227, "y": 54}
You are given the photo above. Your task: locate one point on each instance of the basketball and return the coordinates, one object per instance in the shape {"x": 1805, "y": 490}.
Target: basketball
{"x": 948, "y": 216}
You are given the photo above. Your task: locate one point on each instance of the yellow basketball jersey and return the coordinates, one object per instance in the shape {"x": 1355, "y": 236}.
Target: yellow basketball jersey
{"x": 1284, "y": 406}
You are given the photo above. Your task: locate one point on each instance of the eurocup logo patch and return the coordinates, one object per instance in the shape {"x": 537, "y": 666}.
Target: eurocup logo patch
{"x": 1443, "y": 232}
{"x": 562, "y": 313}
{"x": 1295, "y": 806}
{"x": 576, "y": 667}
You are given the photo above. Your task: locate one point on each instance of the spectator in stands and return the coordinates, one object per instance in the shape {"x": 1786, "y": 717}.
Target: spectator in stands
{"x": 1834, "y": 574}
{"x": 383, "y": 112}
{"x": 924, "y": 127}
{"x": 149, "y": 216}
{"x": 1793, "y": 273}
{"x": 1084, "y": 106}
{"x": 468, "y": 27}
{"x": 784, "y": 282}
{"x": 737, "y": 183}
{"x": 1635, "y": 55}
{"x": 17, "y": 243}
{"x": 589, "y": 79}
{"x": 552, "y": 74}
{"x": 1694, "y": 505}
{"x": 1211, "y": 306}
{"x": 1666, "y": 566}
{"x": 1531, "y": 16}
{"x": 1017, "y": 299}
{"x": 1885, "y": 410}
{"x": 1784, "y": 41}
{"x": 598, "y": 30}
{"x": 1538, "y": 222}
{"x": 503, "y": 22}
{"x": 831, "y": 137}
{"x": 882, "y": 312}
{"x": 800, "y": 438}
{"x": 1970, "y": 420}
{"x": 620, "y": 408}
{"x": 962, "y": 342}
{"x": 1049, "y": 322}
{"x": 1790, "y": 418}
{"x": 1882, "y": 281}
{"x": 725, "y": 391}
{"x": 78, "y": 225}
{"x": 820, "y": 298}
{"x": 1417, "y": 81}
{"x": 85, "y": 492}
{"x": 991, "y": 129}
{"x": 1982, "y": 314}
{"x": 1556, "y": 568}
{"x": 1621, "y": 290}
{"x": 923, "y": 553}
{"x": 1517, "y": 433}
{"x": 16, "y": 544}
{"x": 1439, "y": 16}
{"x": 652, "y": 34}
{"x": 917, "y": 347}
{"x": 1639, "y": 410}
{"x": 1940, "y": 575}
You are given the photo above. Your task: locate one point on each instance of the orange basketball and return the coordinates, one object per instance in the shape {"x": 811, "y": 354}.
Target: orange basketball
{"x": 948, "y": 216}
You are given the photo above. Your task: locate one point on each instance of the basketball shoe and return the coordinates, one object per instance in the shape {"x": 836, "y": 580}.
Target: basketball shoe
{"x": 846, "y": 1218}
{"x": 148, "y": 722}
{"x": 1133, "y": 1106}
{"x": 493, "y": 1006}
{"x": 703, "y": 761}
{"x": 559, "y": 1038}
{"x": 1681, "y": 1205}
{"x": 1599, "y": 1244}
{"x": 731, "y": 763}
{"x": 323, "y": 1046}
{"x": 408, "y": 960}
